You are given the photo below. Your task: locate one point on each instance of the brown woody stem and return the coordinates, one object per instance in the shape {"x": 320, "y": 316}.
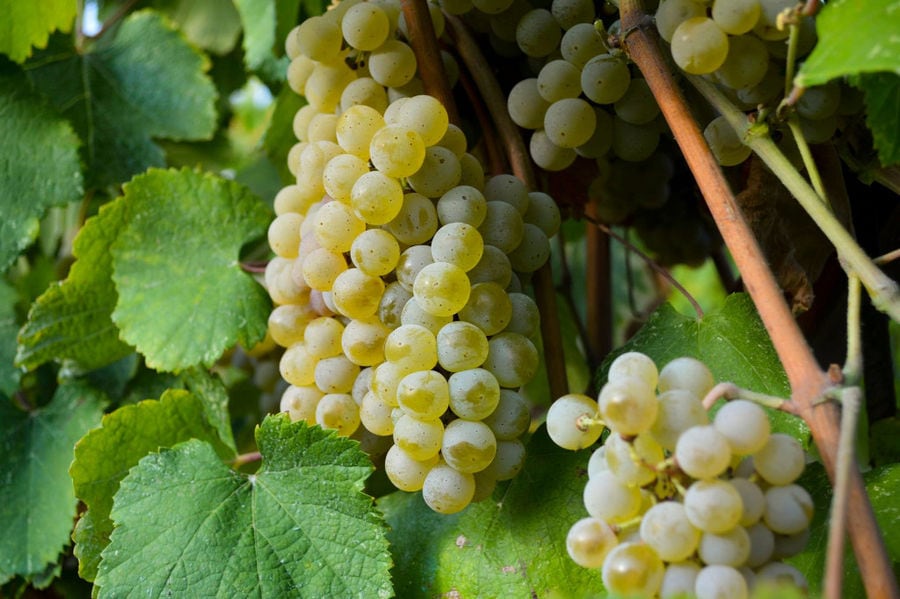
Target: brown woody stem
{"x": 428, "y": 54}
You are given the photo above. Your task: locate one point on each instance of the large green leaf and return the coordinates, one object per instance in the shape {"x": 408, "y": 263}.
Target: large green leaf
{"x": 72, "y": 320}
{"x": 882, "y": 94}
{"x": 853, "y": 37}
{"x": 732, "y": 341}
{"x": 39, "y": 164}
{"x": 510, "y": 545}
{"x": 104, "y": 456}
{"x": 28, "y": 24}
{"x": 213, "y": 25}
{"x": 137, "y": 83}
{"x": 37, "y": 503}
{"x": 9, "y": 374}
{"x": 299, "y": 527}
{"x": 183, "y": 297}
{"x": 266, "y": 24}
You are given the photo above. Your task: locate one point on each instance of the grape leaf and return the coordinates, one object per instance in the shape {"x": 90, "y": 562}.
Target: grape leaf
{"x": 882, "y": 487}
{"x": 39, "y": 164}
{"x": 72, "y": 320}
{"x": 9, "y": 374}
{"x": 266, "y": 23}
{"x": 510, "y": 545}
{"x": 37, "y": 503}
{"x": 183, "y": 298}
{"x": 28, "y": 24}
{"x": 213, "y": 25}
{"x": 143, "y": 81}
{"x": 279, "y": 137}
{"x": 299, "y": 527}
{"x": 853, "y": 37}
{"x": 104, "y": 456}
{"x": 882, "y": 96}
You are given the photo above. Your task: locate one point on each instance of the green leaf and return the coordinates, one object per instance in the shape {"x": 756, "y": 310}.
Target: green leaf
{"x": 511, "y": 545}
{"x": 39, "y": 164}
{"x": 731, "y": 341}
{"x": 279, "y": 137}
{"x": 183, "y": 298}
{"x": 212, "y": 393}
{"x": 882, "y": 487}
{"x": 853, "y": 37}
{"x": 37, "y": 503}
{"x": 72, "y": 320}
{"x": 29, "y": 24}
{"x": 9, "y": 374}
{"x": 104, "y": 456}
{"x": 266, "y": 23}
{"x": 300, "y": 527}
{"x": 213, "y": 25}
{"x": 882, "y": 95}
{"x": 145, "y": 81}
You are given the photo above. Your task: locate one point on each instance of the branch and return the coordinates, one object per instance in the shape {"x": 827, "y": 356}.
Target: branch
{"x": 808, "y": 382}
{"x": 428, "y": 54}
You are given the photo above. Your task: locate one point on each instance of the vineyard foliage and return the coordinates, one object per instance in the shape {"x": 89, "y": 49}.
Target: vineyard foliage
{"x": 141, "y": 452}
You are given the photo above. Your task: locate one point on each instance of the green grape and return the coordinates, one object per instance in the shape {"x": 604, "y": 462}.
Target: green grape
{"x": 412, "y": 260}
{"x": 492, "y": 7}
{"x": 634, "y": 364}
{"x": 461, "y": 346}
{"x": 820, "y": 102}
{"x": 569, "y": 13}
{"x": 468, "y": 446}
{"x": 416, "y": 222}
{"x": 672, "y": 13}
{"x": 424, "y": 395}
{"x": 322, "y": 127}
{"x": 736, "y": 17}
{"x": 746, "y": 64}
{"x": 376, "y": 198}
{"x": 318, "y": 38}
{"x": 471, "y": 171}
{"x": 767, "y": 26}
{"x": 494, "y": 267}
{"x": 441, "y": 288}
{"x": 365, "y": 26}
{"x": 386, "y": 379}
{"x": 340, "y": 173}
{"x": 633, "y": 569}
{"x": 312, "y": 164}
{"x": 440, "y": 172}
{"x": 818, "y": 131}
{"x": 474, "y": 394}
{"x": 666, "y": 529}
{"x": 357, "y": 294}
{"x": 512, "y": 358}
{"x": 335, "y": 374}
{"x": 413, "y": 313}
{"x": 426, "y": 116}
{"x": 375, "y": 416}
{"x": 365, "y": 91}
{"x": 375, "y": 252}
{"x": 601, "y": 140}
{"x": 338, "y": 411}
{"x": 713, "y": 505}
{"x": 717, "y": 581}
{"x": 628, "y": 405}
{"x": 356, "y": 127}
{"x": 321, "y": 267}
{"x": 678, "y": 410}
{"x": 336, "y": 226}
{"x": 744, "y": 424}
{"x": 462, "y": 204}
{"x": 781, "y": 459}
{"x": 537, "y": 33}
{"x": 411, "y": 346}
{"x": 605, "y": 79}
{"x": 503, "y": 25}
{"x": 509, "y": 189}
{"x": 502, "y": 227}
{"x": 287, "y": 324}
{"x": 293, "y": 198}
{"x": 488, "y": 308}
{"x": 525, "y": 318}
{"x": 686, "y": 373}
{"x": 454, "y": 140}
{"x": 459, "y": 244}
{"x": 703, "y": 452}
{"x": 509, "y": 460}
{"x": 392, "y": 64}
{"x": 322, "y": 337}
{"x": 699, "y": 46}
{"x": 406, "y": 473}
{"x": 543, "y": 212}
{"x": 302, "y": 117}
{"x": 300, "y": 403}
{"x": 297, "y": 366}
{"x": 547, "y": 154}
{"x": 580, "y": 43}
{"x": 421, "y": 439}
{"x": 326, "y": 84}
{"x": 526, "y": 105}
{"x": 533, "y": 252}
{"x": 767, "y": 90}
{"x": 456, "y": 7}
{"x": 282, "y": 287}
{"x": 569, "y": 122}
{"x": 730, "y": 548}
{"x": 511, "y": 416}
{"x": 637, "y": 106}
{"x": 392, "y": 302}
{"x": 559, "y": 79}
{"x": 284, "y": 235}
{"x": 446, "y": 490}
{"x": 607, "y": 498}
{"x": 363, "y": 341}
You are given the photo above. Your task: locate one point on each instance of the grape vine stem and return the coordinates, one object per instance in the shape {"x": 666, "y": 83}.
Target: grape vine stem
{"x": 808, "y": 381}
{"x": 428, "y": 54}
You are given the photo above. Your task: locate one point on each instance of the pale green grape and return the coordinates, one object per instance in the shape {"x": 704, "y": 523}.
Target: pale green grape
{"x": 338, "y": 411}
{"x": 509, "y": 460}
{"x": 736, "y": 17}
{"x": 323, "y": 337}
{"x": 724, "y": 142}
{"x": 375, "y": 415}
{"x": 474, "y": 394}
{"x": 392, "y": 64}
{"x": 703, "y": 452}
{"x": 537, "y": 33}
{"x": 686, "y": 373}
{"x": 462, "y": 204}
{"x": 634, "y": 143}
{"x": 543, "y": 212}
{"x": 441, "y": 288}
{"x": 426, "y": 116}
{"x": 746, "y": 64}
{"x": 322, "y": 127}
{"x": 820, "y": 102}
{"x": 288, "y": 323}
{"x": 569, "y": 13}
{"x": 335, "y": 374}
{"x": 589, "y": 541}
{"x": 678, "y": 581}
{"x": 326, "y": 84}
{"x": 628, "y": 405}
{"x": 356, "y": 127}
{"x": 752, "y": 498}
{"x": 365, "y": 91}
{"x": 440, "y": 172}
{"x": 533, "y": 251}
{"x": 666, "y": 529}
{"x": 468, "y": 445}
{"x": 412, "y": 260}
{"x": 767, "y": 25}
{"x": 471, "y": 171}
{"x": 699, "y": 46}
{"x": 768, "y": 89}
{"x": 456, "y": 7}
{"x": 292, "y": 43}
{"x": 454, "y": 139}
{"x": 509, "y": 189}
{"x": 488, "y": 308}
{"x": 789, "y": 509}
{"x": 494, "y": 267}
{"x": 412, "y": 346}
{"x": 678, "y": 410}
{"x": 376, "y": 198}
{"x": 601, "y": 141}
{"x": 413, "y": 313}
{"x": 569, "y": 122}
{"x": 321, "y": 267}
{"x": 744, "y": 424}
{"x": 386, "y": 379}
{"x": 392, "y": 302}
{"x": 300, "y": 403}
{"x": 632, "y": 569}
{"x": 340, "y": 173}
{"x": 457, "y": 243}
{"x": 634, "y": 364}
{"x": 502, "y": 227}
{"x": 446, "y": 490}
{"x": 365, "y": 26}
{"x": 781, "y": 460}
{"x": 318, "y": 38}
{"x": 284, "y": 235}
{"x": 818, "y": 131}
{"x": 762, "y": 545}
{"x": 717, "y": 582}
{"x": 416, "y": 222}
{"x": 300, "y": 124}
{"x": 559, "y": 79}
{"x": 405, "y": 472}
{"x": 421, "y": 439}
{"x": 424, "y": 395}
{"x": 375, "y": 252}
{"x": 503, "y": 25}
{"x": 293, "y": 198}
{"x": 357, "y": 294}
{"x": 632, "y": 461}
{"x": 363, "y": 341}
{"x": 511, "y": 416}
{"x": 526, "y": 105}
{"x": 713, "y": 505}
{"x": 637, "y": 106}
{"x": 491, "y": 7}
{"x": 547, "y": 154}
{"x": 461, "y": 346}
{"x": 336, "y": 226}
{"x": 525, "y": 317}
{"x": 512, "y": 358}
{"x": 572, "y": 421}
{"x": 778, "y": 573}
{"x": 605, "y": 79}
{"x": 283, "y": 288}
{"x": 672, "y": 13}
{"x": 729, "y": 548}
{"x": 297, "y": 366}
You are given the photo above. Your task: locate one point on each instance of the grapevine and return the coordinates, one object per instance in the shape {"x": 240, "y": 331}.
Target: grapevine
{"x": 469, "y": 298}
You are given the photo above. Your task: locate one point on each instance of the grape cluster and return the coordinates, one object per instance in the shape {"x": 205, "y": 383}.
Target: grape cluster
{"x": 399, "y": 268}
{"x": 678, "y": 503}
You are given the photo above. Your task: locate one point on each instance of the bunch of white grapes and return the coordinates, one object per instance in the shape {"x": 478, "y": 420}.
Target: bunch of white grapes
{"x": 679, "y": 502}
{"x": 399, "y": 268}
